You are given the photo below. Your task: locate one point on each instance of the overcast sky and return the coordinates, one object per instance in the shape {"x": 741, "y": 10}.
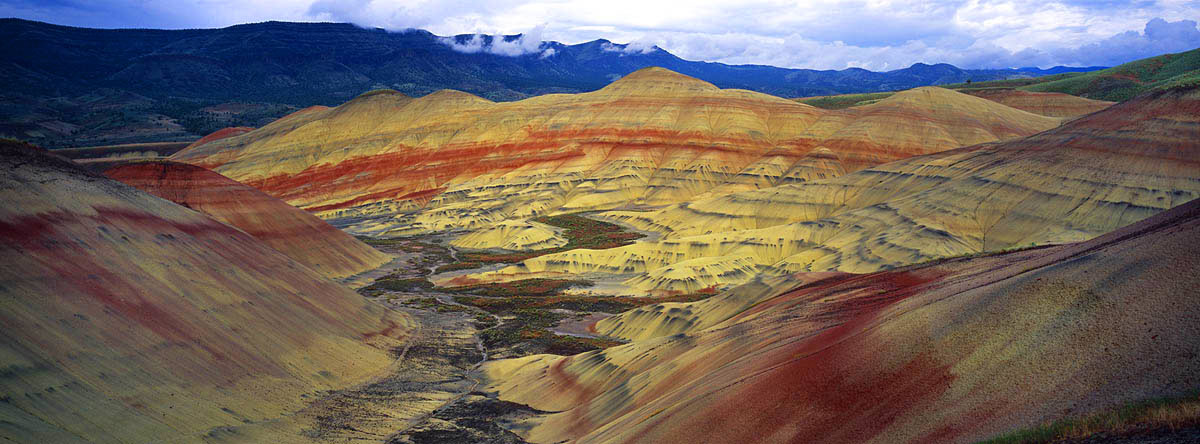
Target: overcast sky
{"x": 822, "y": 34}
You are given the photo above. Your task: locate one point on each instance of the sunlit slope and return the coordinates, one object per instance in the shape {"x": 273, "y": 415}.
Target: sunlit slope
{"x": 925, "y": 116}
{"x": 1045, "y": 103}
{"x": 1071, "y": 183}
{"x": 295, "y": 233}
{"x": 1128, "y": 80}
{"x": 512, "y": 235}
{"x": 954, "y": 351}
{"x": 128, "y": 318}
{"x": 653, "y": 137}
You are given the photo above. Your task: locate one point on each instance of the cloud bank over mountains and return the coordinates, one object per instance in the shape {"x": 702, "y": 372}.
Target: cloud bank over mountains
{"x": 527, "y": 43}
{"x": 822, "y": 34}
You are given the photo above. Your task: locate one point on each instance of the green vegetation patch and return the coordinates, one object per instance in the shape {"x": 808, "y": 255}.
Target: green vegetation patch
{"x": 1123, "y": 82}
{"x": 407, "y": 245}
{"x": 401, "y": 284}
{"x": 1155, "y": 414}
{"x": 524, "y": 287}
{"x": 1011, "y": 83}
{"x": 843, "y": 101}
{"x": 429, "y": 254}
{"x": 531, "y": 314}
{"x": 606, "y": 304}
{"x": 161, "y": 149}
{"x": 1119, "y": 83}
{"x": 484, "y": 321}
{"x": 532, "y": 326}
{"x": 429, "y": 303}
{"x": 456, "y": 266}
{"x": 581, "y": 232}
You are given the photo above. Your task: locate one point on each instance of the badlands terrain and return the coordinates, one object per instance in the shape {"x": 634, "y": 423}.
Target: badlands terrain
{"x": 658, "y": 260}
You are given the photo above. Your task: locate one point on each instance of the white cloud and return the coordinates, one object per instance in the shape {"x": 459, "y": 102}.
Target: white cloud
{"x": 1158, "y": 37}
{"x": 526, "y": 43}
{"x": 472, "y": 45}
{"x": 824, "y": 34}
{"x": 629, "y": 48}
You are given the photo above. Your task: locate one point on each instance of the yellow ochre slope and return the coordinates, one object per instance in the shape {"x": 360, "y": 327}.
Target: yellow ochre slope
{"x": 1086, "y": 178}
{"x": 451, "y": 160}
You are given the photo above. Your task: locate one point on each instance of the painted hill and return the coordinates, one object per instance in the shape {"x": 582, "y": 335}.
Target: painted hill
{"x": 1051, "y": 104}
{"x": 934, "y": 117}
{"x": 451, "y": 160}
{"x": 955, "y": 351}
{"x": 128, "y": 318}
{"x": 292, "y": 231}
{"x": 1044, "y": 103}
{"x": 1071, "y": 183}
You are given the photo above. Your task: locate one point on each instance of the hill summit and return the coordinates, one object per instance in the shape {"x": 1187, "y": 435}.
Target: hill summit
{"x": 657, "y": 81}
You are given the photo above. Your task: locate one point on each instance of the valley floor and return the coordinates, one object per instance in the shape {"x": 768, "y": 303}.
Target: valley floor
{"x": 432, "y": 393}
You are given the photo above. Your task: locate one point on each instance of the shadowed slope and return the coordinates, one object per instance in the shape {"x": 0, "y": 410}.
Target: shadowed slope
{"x": 292, "y": 231}
{"x": 666, "y": 319}
{"x": 222, "y": 133}
{"x": 955, "y": 351}
{"x": 652, "y": 138}
{"x": 1045, "y": 103}
{"x": 1095, "y": 174}
{"x": 128, "y": 318}
{"x": 1052, "y": 104}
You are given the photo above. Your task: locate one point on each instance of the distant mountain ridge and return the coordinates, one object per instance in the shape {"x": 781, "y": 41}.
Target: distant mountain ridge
{"x": 69, "y": 86}
{"x": 327, "y": 63}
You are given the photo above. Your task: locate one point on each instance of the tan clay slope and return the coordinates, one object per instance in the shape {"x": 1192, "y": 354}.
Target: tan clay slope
{"x": 926, "y": 116}
{"x": 654, "y": 137}
{"x": 295, "y": 233}
{"x": 222, "y": 133}
{"x": 128, "y": 318}
{"x": 512, "y": 235}
{"x": 1086, "y": 178}
{"x": 671, "y": 318}
{"x": 1045, "y": 103}
{"x": 956, "y": 351}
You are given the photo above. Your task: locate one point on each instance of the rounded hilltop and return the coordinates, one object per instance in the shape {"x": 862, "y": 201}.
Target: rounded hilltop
{"x": 376, "y": 99}
{"x": 658, "y": 81}
{"x": 454, "y": 97}
{"x": 382, "y": 92}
